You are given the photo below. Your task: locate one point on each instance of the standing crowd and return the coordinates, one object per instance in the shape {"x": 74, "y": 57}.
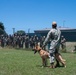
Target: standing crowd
{"x": 18, "y": 41}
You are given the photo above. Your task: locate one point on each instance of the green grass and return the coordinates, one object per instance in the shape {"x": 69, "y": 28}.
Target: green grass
{"x": 23, "y": 62}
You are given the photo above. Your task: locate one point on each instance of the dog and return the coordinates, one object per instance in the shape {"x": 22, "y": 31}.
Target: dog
{"x": 43, "y": 54}
{"x": 46, "y": 55}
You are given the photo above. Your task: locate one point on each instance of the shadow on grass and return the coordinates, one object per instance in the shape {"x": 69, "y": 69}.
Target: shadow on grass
{"x": 49, "y": 66}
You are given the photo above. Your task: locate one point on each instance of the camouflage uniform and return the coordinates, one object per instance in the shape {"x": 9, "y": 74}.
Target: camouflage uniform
{"x": 54, "y": 37}
{"x": 63, "y": 44}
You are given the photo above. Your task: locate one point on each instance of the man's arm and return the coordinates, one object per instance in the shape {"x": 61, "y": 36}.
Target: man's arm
{"x": 47, "y": 38}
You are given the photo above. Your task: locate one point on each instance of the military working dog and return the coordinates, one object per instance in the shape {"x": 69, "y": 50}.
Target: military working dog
{"x": 45, "y": 55}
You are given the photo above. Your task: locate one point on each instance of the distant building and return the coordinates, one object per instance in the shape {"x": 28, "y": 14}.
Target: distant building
{"x": 68, "y": 33}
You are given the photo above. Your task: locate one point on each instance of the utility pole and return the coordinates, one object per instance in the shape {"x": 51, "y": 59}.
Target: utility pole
{"x": 28, "y": 30}
{"x": 13, "y": 30}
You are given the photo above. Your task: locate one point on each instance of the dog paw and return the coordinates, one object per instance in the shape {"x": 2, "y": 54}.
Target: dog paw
{"x": 65, "y": 66}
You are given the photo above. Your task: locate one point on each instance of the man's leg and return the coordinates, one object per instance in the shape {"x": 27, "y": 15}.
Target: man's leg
{"x": 52, "y": 60}
{"x": 57, "y": 63}
{"x": 56, "y": 57}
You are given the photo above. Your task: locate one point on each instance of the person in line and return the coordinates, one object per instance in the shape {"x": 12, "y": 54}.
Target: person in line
{"x": 63, "y": 44}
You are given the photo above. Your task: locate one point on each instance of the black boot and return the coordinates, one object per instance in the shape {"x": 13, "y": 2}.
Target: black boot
{"x": 57, "y": 63}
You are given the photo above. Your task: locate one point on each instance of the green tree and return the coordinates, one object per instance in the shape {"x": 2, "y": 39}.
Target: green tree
{"x": 2, "y": 29}
{"x": 21, "y": 32}
{"x": 2, "y": 26}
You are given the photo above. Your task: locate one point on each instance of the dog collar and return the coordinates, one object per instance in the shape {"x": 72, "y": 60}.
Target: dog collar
{"x": 39, "y": 50}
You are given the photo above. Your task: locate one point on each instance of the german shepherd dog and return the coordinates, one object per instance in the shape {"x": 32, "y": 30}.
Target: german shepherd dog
{"x": 45, "y": 55}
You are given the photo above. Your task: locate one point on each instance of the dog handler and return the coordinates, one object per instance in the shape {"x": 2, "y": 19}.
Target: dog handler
{"x": 54, "y": 37}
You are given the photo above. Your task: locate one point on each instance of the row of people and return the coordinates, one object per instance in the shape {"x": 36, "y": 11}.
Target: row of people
{"x": 26, "y": 41}
{"x": 17, "y": 41}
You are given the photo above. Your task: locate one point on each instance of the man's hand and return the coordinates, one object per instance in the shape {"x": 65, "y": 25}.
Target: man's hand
{"x": 43, "y": 46}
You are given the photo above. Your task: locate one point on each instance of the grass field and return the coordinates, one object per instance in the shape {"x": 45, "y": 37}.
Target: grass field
{"x": 24, "y": 62}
